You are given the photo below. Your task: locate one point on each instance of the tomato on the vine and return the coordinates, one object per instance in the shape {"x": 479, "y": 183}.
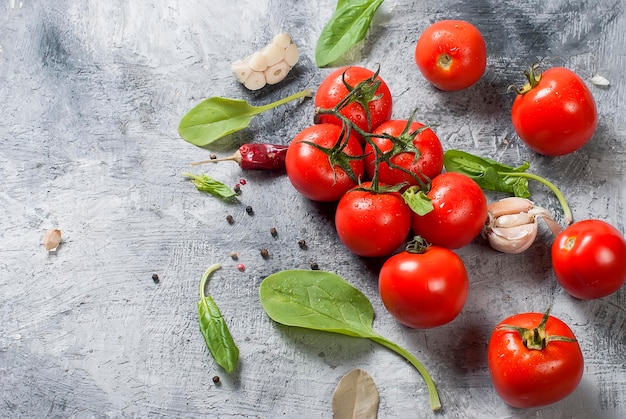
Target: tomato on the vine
{"x": 589, "y": 259}
{"x": 555, "y": 113}
{"x": 373, "y": 105}
{"x": 424, "y": 288}
{"x": 321, "y": 167}
{"x": 417, "y": 150}
{"x": 534, "y": 360}
{"x": 451, "y": 54}
{"x": 372, "y": 223}
{"x": 458, "y": 215}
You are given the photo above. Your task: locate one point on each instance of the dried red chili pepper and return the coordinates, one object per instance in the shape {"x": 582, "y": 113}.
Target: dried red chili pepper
{"x": 256, "y": 157}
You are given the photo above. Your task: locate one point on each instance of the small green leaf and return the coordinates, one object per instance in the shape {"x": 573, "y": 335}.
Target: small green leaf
{"x": 348, "y": 25}
{"x": 213, "y": 327}
{"x": 216, "y": 117}
{"x": 205, "y": 183}
{"x": 417, "y": 199}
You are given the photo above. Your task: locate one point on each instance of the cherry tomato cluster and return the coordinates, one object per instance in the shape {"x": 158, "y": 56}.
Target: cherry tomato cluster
{"x": 387, "y": 180}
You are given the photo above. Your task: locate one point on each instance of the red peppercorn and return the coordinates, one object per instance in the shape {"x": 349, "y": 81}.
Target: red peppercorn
{"x": 241, "y": 267}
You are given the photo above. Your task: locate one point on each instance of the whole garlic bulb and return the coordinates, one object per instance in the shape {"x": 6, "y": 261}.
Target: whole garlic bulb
{"x": 269, "y": 65}
{"x": 512, "y": 224}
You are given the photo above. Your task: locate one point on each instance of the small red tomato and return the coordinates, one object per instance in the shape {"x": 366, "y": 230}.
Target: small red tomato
{"x": 451, "y": 54}
{"x": 459, "y": 211}
{"x": 424, "y": 290}
{"x": 534, "y": 360}
{"x": 589, "y": 259}
{"x": 333, "y": 89}
{"x": 418, "y": 152}
{"x": 372, "y": 224}
{"x": 555, "y": 113}
{"x": 314, "y": 173}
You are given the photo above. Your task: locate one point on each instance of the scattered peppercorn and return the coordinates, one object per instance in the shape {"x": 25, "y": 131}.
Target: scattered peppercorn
{"x": 302, "y": 244}
{"x": 237, "y": 188}
{"x": 213, "y": 156}
{"x": 241, "y": 267}
{"x": 234, "y": 255}
{"x": 265, "y": 253}
{"x": 230, "y": 219}
{"x": 216, "y": 379}
{"x": 155, "y": 278}
{"x": 243, "y": 181}
{"x": 273, "y": 232}
{"x": 249, "y": 210}
{"x": 315, "y": 266}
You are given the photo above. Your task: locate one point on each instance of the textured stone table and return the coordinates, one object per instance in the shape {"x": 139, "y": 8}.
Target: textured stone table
{"x": 91, "y": 94}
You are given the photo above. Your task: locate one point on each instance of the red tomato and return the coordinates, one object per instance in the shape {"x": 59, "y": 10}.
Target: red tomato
{"x": 589, "y": 259}
{"x": 525, "y": 377}
{"x": 310, "y": 170}
{"x": 333, "y": 89}
{"x": 424, "y": 290}
{"x": 451, "y": 54}
{"x": 460, "y": 211}
{"x": 372, "y": 224}
{"x": 557, "y": 115}
{"x": 426, "y": 163}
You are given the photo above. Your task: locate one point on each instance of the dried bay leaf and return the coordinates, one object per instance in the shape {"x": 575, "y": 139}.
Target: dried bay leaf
{"x": 356, "y": 396}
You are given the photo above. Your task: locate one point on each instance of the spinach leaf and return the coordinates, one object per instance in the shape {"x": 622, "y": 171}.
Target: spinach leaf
{"x": 205, "y": 183}
{"x": 214, "y": 329}
{"x": 348, "y": 25}
{"x": 324, "y": 301}
{"x": 489, "y": 174}
{"x": 216, "y": 117}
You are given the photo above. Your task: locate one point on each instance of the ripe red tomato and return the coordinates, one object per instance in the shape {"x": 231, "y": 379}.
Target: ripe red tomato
{"x": 310, "y": 170}
{"x": 459, "y": 213}
{"x": 451, "y": 54}
{"x": 557, "y": 114}
{"x": 589, "y": 259}
{"x": 333, "y": 89}
{"x": 424, "y": 290}
{"x": 525, "y": 377}
{"x": 426, "y": 163}
{"x": 372, "y": 224}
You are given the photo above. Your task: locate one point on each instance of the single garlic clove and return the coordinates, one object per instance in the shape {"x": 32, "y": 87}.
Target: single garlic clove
{"x": 255, "y": 81}
{"x": 258, "y": 61}
{"x": 512, "y": 240}
{"x": 292, "y": 55}
{"x": 546, "y": 216}
{"x": 51, "y": 240}
{"x": 277, "y": 72}
{"x": 241, "y": 70}
{"x": 511, "y": 220}
{"x": 282, "y": 40}
{"x": 511, "y": 205}
{"x": 273, "y": 54}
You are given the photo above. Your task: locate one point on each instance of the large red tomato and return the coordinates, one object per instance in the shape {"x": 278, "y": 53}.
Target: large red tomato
{"x": 589, "y": 259}
{"x": 451, "y": 54}
{"x": 459, "y": 211}
{"x": 417, "y": 150}
{"x": 372, "y": 224}
{"x": 375, "y": 97}
{"x": 426, "y": 289}
{"x": 318, "y": 174}
{"x": 555, "y": 114}
{"x": 534, "y": 360}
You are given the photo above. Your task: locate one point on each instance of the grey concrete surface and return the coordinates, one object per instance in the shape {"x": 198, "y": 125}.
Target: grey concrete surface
{"x": 91, "y": 94}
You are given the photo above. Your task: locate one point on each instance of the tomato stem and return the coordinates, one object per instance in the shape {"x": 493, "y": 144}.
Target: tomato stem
{"x": 536, "y": 338}
{"x": 433, "y": 395}
{"x": 559, "y": 195}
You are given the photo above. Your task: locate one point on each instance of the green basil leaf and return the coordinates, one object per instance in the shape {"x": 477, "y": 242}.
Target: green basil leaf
{"x": 317, "y": 300}
{"x": 417, "y": 199}
{"x": 348, "y": 25}
{"x": 216, "y": 117}
{"x": 324, "y": 301}
{"x": 205, "y": 183}
{"x": 489, "y": 174}
{"x": 213, "y": 327}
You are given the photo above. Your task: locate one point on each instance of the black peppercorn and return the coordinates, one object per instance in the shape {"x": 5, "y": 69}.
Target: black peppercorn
{"x": 230, "y": 219}
{"x": 155, "y": 278}
{"x": 216, "y": 379}
{"x": 249, "y": 210}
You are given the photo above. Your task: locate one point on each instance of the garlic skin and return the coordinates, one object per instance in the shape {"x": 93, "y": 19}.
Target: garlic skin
{"x": 51, "y": 240}
{"x": 269, "y": 65}
{"x": 512, "y": 224}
